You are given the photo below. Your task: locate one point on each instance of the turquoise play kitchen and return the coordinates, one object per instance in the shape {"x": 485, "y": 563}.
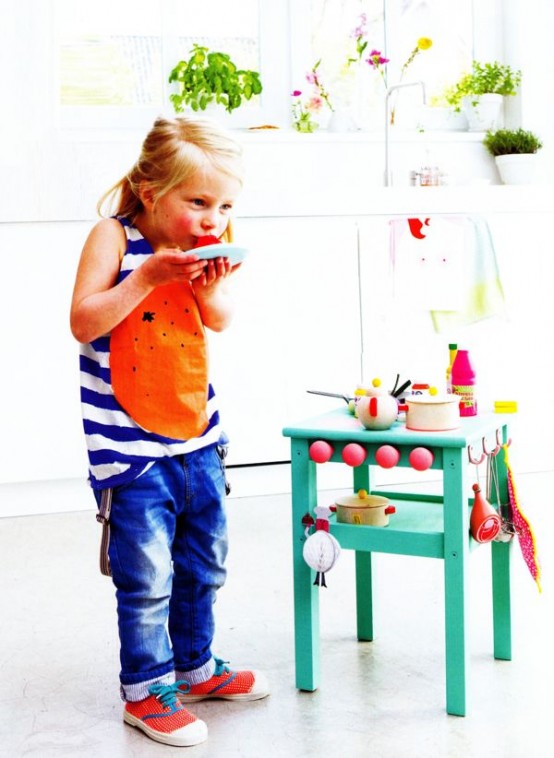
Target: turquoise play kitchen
{"x": 442, "y": 432}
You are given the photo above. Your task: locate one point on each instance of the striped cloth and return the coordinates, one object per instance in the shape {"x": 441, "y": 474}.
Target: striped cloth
{"x": 119, "y": 449}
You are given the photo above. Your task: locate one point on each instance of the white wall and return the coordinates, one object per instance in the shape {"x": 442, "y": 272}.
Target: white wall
{"x": 52, "y": 179}
{"x": 305, "y": 321}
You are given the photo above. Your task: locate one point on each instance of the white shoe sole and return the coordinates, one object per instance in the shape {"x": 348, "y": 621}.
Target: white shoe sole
{"x": 192, "y": 734}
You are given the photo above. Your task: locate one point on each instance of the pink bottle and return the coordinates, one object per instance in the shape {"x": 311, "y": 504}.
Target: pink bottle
{"x": 463, "y": 383}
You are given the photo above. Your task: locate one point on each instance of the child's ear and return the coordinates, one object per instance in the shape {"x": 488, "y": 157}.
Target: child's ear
{"x": 147, "y": 195}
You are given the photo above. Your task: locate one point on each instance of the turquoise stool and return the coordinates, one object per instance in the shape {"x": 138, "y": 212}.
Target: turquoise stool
{"x": 431, "y": 526}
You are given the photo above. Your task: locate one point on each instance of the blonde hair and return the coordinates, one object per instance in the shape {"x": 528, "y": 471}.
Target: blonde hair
{"x": 173, "y": 151}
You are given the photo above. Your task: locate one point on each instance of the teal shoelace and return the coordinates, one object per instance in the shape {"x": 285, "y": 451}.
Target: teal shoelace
{"x": 221, "y": 667}
{"x": 166, "y": 694}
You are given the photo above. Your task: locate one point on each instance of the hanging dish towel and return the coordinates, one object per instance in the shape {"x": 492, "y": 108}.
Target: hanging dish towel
{"x": 446, "y": 265}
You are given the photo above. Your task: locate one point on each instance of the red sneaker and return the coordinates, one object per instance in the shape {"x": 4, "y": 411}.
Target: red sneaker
{"x": 226, "y": 684}
{"x": 162, "y": 717}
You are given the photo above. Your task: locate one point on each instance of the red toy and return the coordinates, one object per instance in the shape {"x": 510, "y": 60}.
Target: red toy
{"x": 387, "y": 456}
{"x": 320, "y": 451}
{"x": 421, "y": 458}
{"x": 484, "y": 522}
{"x": 353, "y": 454}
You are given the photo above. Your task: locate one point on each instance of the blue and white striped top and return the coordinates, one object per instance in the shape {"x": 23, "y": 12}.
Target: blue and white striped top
{"x": 119, "y": 449}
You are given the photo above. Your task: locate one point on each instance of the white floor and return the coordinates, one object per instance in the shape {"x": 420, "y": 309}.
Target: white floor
{"x": 59, "y": 649}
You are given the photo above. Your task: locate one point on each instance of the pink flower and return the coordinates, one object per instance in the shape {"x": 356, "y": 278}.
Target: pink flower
{"x": 315, "y": 103}
{"x": 360, "y": 30}
{"x": 376, "y": 59}
{"x": 296, "y": 93}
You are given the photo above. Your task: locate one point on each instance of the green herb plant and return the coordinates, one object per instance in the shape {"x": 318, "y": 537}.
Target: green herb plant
{"x": 208, "y": 77}
{"x": 511, "y": 141}
{"x": 484, "y": 78}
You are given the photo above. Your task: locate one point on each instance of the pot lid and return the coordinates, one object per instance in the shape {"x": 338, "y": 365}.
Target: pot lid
{"x": 363, "y": 500}
{"x": 432, "y": 399}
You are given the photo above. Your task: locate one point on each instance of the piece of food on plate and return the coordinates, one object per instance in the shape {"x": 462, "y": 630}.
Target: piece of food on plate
{"x": 208, "y": 239}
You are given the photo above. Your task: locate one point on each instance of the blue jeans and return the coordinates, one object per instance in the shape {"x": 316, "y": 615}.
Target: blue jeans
{"x": 167, "y": 553}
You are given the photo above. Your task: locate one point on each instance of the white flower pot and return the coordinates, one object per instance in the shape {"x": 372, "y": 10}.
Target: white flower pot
{"x": 517, "y": 168}
{"x": 341, "y": 121}
{"x": 483, "y": 112}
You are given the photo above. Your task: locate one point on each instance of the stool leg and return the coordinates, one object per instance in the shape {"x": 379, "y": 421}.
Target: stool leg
{"x": 456, "y": 556}
{"x": 364, "y": 596}
{"x": 501, "y": 600}
{"x": 306, "y": 596}
{"x": 501, "y": 577}
{"x": 364, "y": 582}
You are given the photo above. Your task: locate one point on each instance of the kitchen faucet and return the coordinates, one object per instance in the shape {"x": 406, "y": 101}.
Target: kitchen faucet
{"x": 390, "y": 90}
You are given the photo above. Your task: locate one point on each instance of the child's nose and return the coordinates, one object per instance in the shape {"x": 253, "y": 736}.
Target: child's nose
{"x": 209, "y": 220}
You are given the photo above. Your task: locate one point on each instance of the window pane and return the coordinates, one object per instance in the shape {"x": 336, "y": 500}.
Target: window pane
{"x": 120, "y": 53}
{"x": 111, "y": 70}
{"x": 393, "y": 28}
{"x": 109, "y": 53}
{"x": 448, "y": 23}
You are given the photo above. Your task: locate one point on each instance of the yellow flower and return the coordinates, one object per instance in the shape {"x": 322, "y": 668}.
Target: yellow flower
{"x": 424, "y": 43}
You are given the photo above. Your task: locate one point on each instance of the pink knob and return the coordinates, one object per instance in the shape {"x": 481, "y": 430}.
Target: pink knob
{"x": 421, "y": 458}
{"x": 387, "y": 456}
{"x": 320, "y": 451}
{"x": 353, "y": 454}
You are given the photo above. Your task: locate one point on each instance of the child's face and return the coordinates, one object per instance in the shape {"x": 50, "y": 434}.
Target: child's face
{"x": 202, "y": 205}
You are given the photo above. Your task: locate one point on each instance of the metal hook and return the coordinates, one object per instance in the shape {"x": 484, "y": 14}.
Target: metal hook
{"x": 499, "y": 440}
{"x": 492, "y": 453}
{"x": 473, "y": 460}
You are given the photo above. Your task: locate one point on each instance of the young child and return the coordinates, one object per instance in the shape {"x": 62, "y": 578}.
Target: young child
{"x": 141, "y": 302}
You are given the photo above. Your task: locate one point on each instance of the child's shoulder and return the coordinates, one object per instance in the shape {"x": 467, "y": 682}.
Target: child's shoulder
{"x": 109, "y": 228}
{"x": 108, "y": 234}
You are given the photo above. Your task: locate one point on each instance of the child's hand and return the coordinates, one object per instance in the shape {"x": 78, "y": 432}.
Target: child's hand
{"x": 170, "y": 265}
{"x": 216, "y": 270}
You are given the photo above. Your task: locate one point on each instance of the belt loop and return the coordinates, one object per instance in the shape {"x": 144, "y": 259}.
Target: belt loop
{"x": 103, "y": 517}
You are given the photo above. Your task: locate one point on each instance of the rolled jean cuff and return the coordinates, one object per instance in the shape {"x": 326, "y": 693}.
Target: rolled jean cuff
{"x": 197, "y": 676}
{"x": 140, "y": 691}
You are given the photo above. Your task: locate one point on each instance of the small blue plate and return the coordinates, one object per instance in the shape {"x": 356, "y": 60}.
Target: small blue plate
{"x": 235, "y": 253}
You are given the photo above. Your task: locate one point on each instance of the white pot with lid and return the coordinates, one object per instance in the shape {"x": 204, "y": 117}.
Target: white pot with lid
{"x": 433, "y": 413}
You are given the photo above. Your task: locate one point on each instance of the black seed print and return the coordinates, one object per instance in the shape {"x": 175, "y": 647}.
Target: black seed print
{"x": 148, "y": 316}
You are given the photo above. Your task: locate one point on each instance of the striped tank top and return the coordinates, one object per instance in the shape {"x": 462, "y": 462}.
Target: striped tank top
{"x": 144, "y": 388}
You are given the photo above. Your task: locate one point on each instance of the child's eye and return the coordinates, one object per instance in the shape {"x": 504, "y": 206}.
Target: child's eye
{"x": 226, "y": 207}
{"x": 198, "y": 201}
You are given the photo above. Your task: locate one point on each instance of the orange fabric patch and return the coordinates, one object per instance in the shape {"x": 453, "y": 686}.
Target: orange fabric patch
{"x": 159, "y": 363}
{"x": 230, "y": 683}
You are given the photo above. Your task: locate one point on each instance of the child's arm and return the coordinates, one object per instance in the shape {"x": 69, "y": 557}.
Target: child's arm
{"x": 213, "y": 295}
{"x": 98, "y": 303}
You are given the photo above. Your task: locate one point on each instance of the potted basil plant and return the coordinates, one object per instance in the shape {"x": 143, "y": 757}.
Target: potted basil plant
{"x": 515, "y": 154}
{"x": 479, "y": 93}
{"x": 211, "y": 77}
